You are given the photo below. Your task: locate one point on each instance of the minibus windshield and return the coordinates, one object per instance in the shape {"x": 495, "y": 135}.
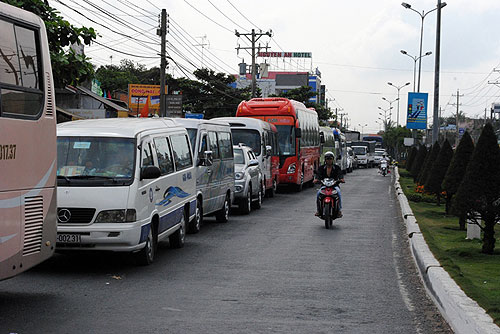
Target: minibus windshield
{"x": 95, "y": 161}
{"x": 250, "y": 138}
{"x": 286, "y": 139}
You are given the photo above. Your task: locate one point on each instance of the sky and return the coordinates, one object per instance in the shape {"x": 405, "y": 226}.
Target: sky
{"x": 355, "y": 44}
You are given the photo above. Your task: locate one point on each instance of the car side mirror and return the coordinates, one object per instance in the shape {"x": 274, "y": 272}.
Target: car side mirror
{"x": 268, "y": 150}
{"x": 298, "y": 132}
{"x": 150, "y": 172}
{"x": 253, "y": 163}
{"x": 321, "y": 137}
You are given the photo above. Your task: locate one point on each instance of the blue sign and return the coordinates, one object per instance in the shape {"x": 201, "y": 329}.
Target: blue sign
{"x": 416, "y": 116}
{"x": 194, "y": 115}
{"x": 461, "y": 132}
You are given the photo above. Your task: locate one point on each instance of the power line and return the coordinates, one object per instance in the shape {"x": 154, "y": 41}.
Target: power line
{"x": 244, "y": 16}
{"x": 225, "y": 15}
{"x": 123, "y": 52}
{"x": 208, "y": 18}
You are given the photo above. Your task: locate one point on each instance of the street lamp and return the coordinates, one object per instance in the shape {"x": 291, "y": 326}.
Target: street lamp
{"x": 422, "y": 16}
{"x": 398, "y": 88}
{"x": 385, "y": 116}
{"x": 415, "y": 58}
{"x": 362, "y": 127}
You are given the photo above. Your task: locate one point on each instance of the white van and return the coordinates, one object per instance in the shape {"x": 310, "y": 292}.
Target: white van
{"x": 213, "y": 157}
{"x": 124, "y": 185}
{"x": 262, "y": 138}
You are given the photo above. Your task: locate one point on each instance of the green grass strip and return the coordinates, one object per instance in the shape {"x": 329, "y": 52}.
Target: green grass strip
{"x": 476, "y": 273}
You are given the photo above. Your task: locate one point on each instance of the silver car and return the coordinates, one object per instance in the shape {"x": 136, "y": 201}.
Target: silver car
{"x": 249, "y": 187}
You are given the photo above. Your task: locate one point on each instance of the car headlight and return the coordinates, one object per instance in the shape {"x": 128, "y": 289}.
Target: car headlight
{"x": 291, "y": 168}
{"x": 116, "y": 216}
{"x": 239, "y": 175}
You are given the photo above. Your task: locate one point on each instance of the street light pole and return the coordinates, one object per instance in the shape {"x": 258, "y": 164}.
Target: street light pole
{"x": 362, "y": 127}
{"x": 398, "y": 88}
{"x": 415, "y": 58}
{"x": 422, "y": 16}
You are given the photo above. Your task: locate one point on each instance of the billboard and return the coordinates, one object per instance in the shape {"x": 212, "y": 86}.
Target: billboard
{"x": 416, "y": 116}
{"x": 139, "y": 95}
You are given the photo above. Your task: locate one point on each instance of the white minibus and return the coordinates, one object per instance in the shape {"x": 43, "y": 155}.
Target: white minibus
{"x": 124, "y": 185}
{"x": 262, "y": 137}
{"x": 214, "y": 161}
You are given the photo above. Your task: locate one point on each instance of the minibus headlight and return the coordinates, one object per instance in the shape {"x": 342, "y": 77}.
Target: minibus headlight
{"x": 291, "y": 168}
{"x": 116, "y": 216}
{"x": 239, "y": 175}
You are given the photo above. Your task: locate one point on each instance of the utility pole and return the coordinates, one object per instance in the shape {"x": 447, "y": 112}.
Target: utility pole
{"x": 163, "y": 64}
{"x": 253, "y": 37}
{"x": 435, "y": 121}
{"x": 202, "y": 44}
{"x": 458, "y": 104}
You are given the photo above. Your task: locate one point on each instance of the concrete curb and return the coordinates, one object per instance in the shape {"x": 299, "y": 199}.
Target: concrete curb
{"x": 462, "y": 313}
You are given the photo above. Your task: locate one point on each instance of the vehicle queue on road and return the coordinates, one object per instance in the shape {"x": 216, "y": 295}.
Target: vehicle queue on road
{"x": 126, "y": 184}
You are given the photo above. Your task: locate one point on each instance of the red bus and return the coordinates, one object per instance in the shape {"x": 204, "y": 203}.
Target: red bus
{"x": 298, "y": 136}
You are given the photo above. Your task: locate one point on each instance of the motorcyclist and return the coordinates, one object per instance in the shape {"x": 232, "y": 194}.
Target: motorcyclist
{"x": 332, "y": 171}
{"x": 383, "y": 163}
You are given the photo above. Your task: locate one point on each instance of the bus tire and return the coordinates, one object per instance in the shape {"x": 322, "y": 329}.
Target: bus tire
{"x": 146, "y": 255}
{"x": 195, "y": 224}
{"x": 298, "y": 187}
{"x": 178, "y": 238}
{"x": 222, "y": 216}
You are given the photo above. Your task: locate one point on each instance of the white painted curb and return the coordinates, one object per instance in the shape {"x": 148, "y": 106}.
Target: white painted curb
{"x": 462, "y": 313}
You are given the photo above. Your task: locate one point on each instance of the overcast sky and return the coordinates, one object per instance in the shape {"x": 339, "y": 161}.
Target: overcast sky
{"x": 355, "y": 44}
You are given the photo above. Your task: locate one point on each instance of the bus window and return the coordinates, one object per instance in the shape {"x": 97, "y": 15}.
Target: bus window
{"x": 286, "y": 139}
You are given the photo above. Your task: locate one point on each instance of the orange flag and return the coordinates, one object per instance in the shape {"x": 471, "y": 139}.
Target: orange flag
{"x": 145, "y": 109}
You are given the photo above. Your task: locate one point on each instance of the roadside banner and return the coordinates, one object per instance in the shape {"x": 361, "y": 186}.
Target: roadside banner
{"x": 416, "y": 116}
{"x": 140, "y": 95}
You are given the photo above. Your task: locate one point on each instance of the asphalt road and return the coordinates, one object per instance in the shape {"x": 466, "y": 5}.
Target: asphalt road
{"x": 277, "y": 270}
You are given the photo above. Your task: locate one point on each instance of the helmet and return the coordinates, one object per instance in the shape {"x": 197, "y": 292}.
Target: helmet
{"x": 329, "y": 154}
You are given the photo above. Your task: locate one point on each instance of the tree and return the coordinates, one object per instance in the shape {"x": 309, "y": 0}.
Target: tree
{"x": 419, "y": 161}
{"x": 67, "y": 66}
{"x": 411, "y": 157}
{"x": 394, "y": 138}
{"x": 426, "y": 169}
{"x": 303, "y": 94}
{"x": 118, "y": 77}
{"x": 438, "y": 171}
{"x": 456, "y": 171}
{"x": 479, "y": 192}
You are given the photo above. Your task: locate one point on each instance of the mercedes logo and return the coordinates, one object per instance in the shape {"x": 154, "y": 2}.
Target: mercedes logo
{"x": 63, "y": 215}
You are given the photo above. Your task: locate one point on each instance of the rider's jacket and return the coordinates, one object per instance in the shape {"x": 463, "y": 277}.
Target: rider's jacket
{"x": 336, "y": 173}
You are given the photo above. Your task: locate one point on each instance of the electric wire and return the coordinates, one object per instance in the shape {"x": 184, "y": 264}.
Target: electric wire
{"x": 208, "y": 18}
{"x": 251, "y": 23}
{"x": 225, "y": 15}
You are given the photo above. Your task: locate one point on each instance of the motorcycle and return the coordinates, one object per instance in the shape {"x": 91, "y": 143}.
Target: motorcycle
{"x": 329, "y": 201}
{"x": 383, "y": 169}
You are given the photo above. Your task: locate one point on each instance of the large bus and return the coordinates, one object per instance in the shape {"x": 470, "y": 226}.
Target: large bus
{"x": 27, "y": 143}
{"x": 298, "y": 136}
{"x": 379, "y": 142}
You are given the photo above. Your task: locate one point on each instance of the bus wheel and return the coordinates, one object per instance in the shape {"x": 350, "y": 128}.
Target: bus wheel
{"x": 299, "y": 186}
{"x": 147, "y": 254}
{"x": 222, "y": 216}
{"x": 178, "y": 237}
{"x": 195, "y": 224}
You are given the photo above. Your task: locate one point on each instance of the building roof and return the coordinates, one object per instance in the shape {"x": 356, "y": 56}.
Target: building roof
{"x": 114, "y": 127}
{"x": 101, "y": 99}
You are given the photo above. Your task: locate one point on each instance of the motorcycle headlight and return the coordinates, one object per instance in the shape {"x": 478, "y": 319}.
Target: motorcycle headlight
{"x": 291, "y": 168}
{"x": 116, "y": 216}
{"x": 239, "y": 175}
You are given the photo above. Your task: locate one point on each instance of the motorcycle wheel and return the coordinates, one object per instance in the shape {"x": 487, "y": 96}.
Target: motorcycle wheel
{"x": 328, "y": 216}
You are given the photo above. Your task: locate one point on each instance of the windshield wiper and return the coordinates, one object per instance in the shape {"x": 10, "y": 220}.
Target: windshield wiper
{"x": 64, "y": 177}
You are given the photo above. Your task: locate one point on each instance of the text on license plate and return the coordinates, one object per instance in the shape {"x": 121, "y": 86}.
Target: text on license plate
{"x": 69, "y": 238}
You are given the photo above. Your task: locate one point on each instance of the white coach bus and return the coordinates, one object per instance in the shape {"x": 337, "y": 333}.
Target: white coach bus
{"x": 27, "y": 143}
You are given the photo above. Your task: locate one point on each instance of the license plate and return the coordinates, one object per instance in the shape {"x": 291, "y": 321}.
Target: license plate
{"x": 69, "y": 238}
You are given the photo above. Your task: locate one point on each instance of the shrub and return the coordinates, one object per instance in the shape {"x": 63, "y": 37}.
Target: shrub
{"x": 438, "y": 170}
{"x": 479, "y": 192}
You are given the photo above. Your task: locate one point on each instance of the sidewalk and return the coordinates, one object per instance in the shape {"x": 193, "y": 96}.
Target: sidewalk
{"x": 462, "y": 313}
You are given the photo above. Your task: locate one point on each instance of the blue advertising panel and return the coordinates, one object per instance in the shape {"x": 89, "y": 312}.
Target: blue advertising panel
{"x": 193, "y": 115}
{"x": 416, "y": 117}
